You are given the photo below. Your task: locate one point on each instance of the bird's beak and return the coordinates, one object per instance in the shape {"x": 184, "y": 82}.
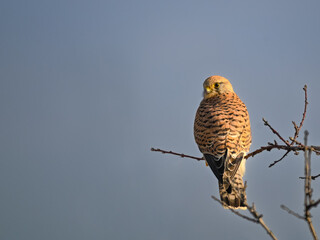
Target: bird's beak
{"x": 208, "y": 90}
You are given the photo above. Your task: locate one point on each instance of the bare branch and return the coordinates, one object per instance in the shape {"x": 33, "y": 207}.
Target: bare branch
{"x": 292, "y": 212}
{"x": 297, "y": 129}
{"x": 312, "y": 177}
{"x": 296, "y": 142}
{"x": 177, "y": 154}
{"x": 313, "y": 204}
{"x": 308, "y": 202}
{"x": 315, "y": 149}
{"x": 252, "y": 210}
{"x": 234, "y": 211}
{"x": 275, "y": 162}
{"x": 312, "y": 148}
{"x": 275, "y": 132}
{"x": 312, "y": 230}
{"x": 258, "y": 216}
{"x": 307, "y": 187}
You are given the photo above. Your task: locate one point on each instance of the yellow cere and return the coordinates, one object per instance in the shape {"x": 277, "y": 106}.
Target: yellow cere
{"x": 208, "y": 89}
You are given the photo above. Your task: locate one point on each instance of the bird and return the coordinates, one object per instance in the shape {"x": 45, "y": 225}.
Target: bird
{"x": 223, "y": 134}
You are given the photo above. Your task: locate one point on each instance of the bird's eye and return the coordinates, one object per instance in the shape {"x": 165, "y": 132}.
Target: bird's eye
{"x": 216, "y": 85}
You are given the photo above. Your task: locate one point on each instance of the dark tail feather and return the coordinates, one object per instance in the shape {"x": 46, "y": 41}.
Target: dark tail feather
{"x": 233, "y": 194}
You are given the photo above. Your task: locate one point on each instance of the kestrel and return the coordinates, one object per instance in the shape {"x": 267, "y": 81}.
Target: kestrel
{"x": 222, "y": 132}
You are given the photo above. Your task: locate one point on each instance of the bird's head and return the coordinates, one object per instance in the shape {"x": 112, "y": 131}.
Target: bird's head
{"x": 216, "y": 85}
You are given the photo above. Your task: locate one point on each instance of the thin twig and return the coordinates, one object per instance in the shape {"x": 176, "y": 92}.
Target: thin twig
{"x": 303, "y": 146}
{"x": 292, "y": 212}
{"x": 296, "y": 142}
{"x": 282, "y": 147}
{"x": 275, "y": 132}
{"x": 275, "y": 162}
{"x": 252, "y": 210}
{"x": 308, "y": 202}
{"x": 312, "y": 177}
{"x": 313, "y": 204}
{"x": 315, "y": 149}
{"x": 297, "y": 129}
{"x": 177, "y": 154}
{"x": 307, "y": 187}
{"x": 258, "y": 216}
{"x": 234, "y": 211}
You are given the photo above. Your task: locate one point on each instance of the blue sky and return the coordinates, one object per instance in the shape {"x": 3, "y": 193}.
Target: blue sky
{"x": 88, "y": 87}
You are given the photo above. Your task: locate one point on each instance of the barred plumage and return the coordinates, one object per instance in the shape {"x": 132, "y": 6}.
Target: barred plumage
{"x": 222, "y": 132}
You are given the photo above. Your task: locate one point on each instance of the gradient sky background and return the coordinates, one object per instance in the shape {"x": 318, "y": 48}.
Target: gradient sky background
{"x": 88, "y": 87}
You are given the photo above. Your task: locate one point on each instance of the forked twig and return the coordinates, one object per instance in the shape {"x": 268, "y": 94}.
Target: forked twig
{"x": 257, "y": 218}
{"x": 297, "y": 129}
{"x": 234, "y": 211}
